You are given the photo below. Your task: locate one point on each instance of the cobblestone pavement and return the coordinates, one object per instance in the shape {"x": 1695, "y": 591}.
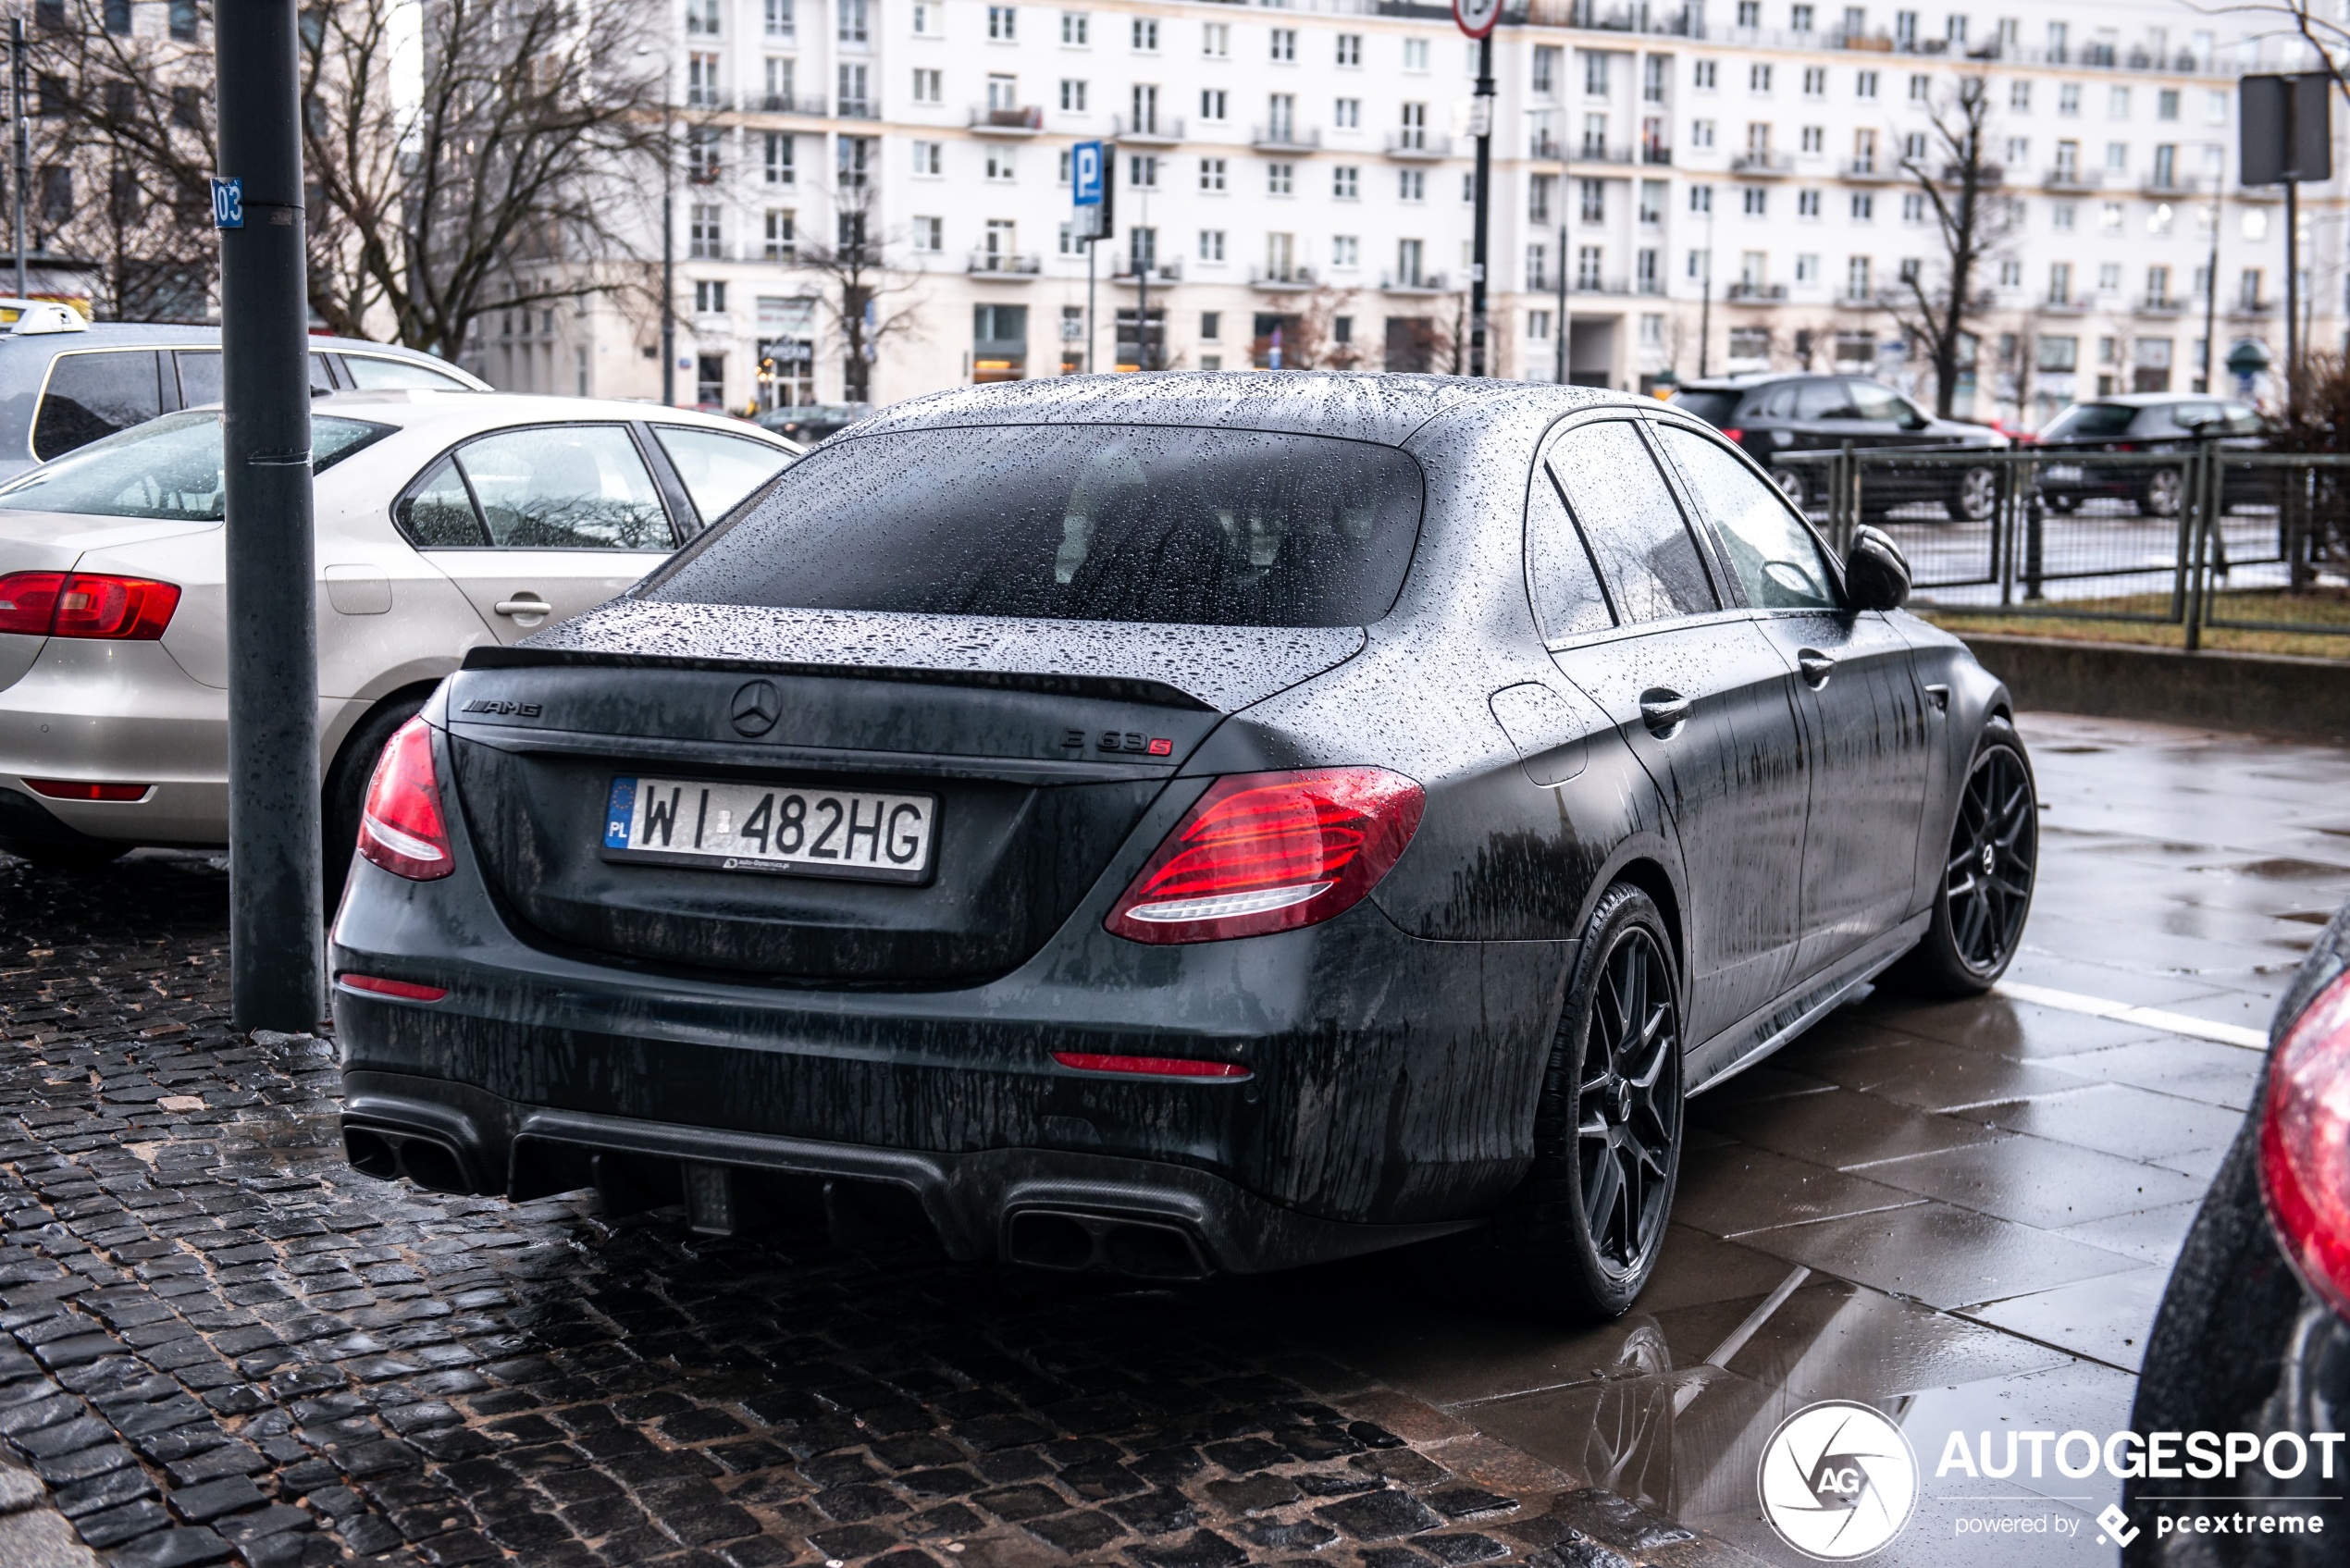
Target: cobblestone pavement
{"x": 220, "y": 1341}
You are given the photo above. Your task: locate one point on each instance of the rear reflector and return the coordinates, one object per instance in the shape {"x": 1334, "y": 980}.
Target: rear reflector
{"x": 1267, "y": 852}
{"x": 2304, "y": 1144}
{"x": 85, "y": 604}
{"x": 1150, "y": 1067}
{"x": 407, "y": 991}
{"x": 75, "y": 789}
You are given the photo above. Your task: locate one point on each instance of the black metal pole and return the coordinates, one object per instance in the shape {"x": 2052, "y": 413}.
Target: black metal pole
{"x": 1484, "y": 202}
{"x": 275, "y": 916}
{"x": 2292, "y": 280}
{"x": 20, "y": 131}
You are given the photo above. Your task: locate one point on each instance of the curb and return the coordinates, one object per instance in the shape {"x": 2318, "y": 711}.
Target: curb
{"x": 2278, "y": 694}
{"x": 33, "y": 1534}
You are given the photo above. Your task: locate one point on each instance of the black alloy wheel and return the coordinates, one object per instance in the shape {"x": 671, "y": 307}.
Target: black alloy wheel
{"x": 1628, "y": 1116}
{"x": 1986, "y": 875}
{"x": 1587, "y": 1224}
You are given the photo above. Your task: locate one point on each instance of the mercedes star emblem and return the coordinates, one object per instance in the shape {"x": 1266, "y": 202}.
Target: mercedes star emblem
{"x": 757, "y": 708}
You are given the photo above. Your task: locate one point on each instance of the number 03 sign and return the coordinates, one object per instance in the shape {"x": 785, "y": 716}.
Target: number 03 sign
{"x": 1476, "y": 17}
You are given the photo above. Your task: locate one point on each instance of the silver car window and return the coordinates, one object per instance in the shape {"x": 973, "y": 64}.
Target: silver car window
{"x": 370, "y": 373}
{"x": 565, "y": 487}
{"x": 719, "y": 469}
{"x": 93, "y": 394}
{"x": 168, "y": 468}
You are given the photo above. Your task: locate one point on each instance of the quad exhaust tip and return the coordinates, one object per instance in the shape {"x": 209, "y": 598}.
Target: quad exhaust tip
{"x": 1075, "y": 1242}
{"x": 431, "y": 1163}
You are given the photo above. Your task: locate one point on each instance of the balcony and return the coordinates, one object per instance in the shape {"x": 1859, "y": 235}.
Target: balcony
{"x": 1764, "y": 163}
{"x": 1867, "y": 169}
{"x": 857, "y": 108}
{"x": 1154, "y": 130}
{"x": 1601, "y": 153}
{"x": 1592, "y": 283}
{"x": 1156, "y": 269}
{"x": 1655, "y": 152}
{"x": 2059, "y": 305}
{"x": 708, "y": 98}
{"x": 1283, "y": 138}
{"x": 1419, "y": 147}
{"x": 2065, "y": 177}
{"x": 2164, "y": 304}
{"x": 1024, "y": 120}
{"x": 1296, "y": 279}
{"x": 2157, "y": 189}
{"x": 2253, "y": 310}
{"x": 1755, "y": 293}
{"x": 1426, "y": 283}
{"x": 1545, "y": 149}
{"x": 1858, "y": 299}
{"x": 1006, "y": 266}
{"x": 785, "y": 103}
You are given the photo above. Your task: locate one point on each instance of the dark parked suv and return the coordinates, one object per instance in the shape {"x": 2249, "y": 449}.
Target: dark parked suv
{"x": 1772, "y": 415}
{"x": 2148, "y": 422}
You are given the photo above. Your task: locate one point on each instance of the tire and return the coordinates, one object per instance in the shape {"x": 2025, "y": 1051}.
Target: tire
{"x": 1608, "y": 1127}
{"x": 346, "y": 791}
{"x": 1975, "y": 497}
{"x": 2165, "y": 487}
{"x": 1979, "y": 910}
{"x": 65, "y": 857}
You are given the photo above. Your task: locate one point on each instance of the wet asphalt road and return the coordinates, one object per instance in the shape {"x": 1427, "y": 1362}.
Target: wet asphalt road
{"x": 224, "y": 1342}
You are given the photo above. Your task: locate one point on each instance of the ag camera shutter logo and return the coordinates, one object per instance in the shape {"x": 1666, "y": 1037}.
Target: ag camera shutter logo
{"x": 1837, "y": 1480}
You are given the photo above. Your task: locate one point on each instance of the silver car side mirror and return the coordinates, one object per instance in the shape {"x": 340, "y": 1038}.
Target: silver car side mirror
{"x": 1876, "y": 575}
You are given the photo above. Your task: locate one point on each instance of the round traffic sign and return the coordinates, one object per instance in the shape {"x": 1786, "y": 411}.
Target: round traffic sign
{"x": 1476, "y": 17}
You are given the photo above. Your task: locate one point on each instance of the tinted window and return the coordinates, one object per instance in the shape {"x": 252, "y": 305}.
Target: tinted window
{"x": 719, "y": 470}
{"x": 1633, "y": 525}
{"x": 1075, "y": 523}
{"x": 1773, "y": 554}
{"x": 1825, "y": 400}
{"x": 90, "y": 395}
{"x": 169, "y": 468}
{"x": 565, "y": 487}
{"x": 1559, "y": 578}
{"x": 1879, "y": 404}
{"x": 1781, "y": 404}
{"x": 369, "y": 373}
{"x": 200, "y": 376}
{"x": 2089, "y": 422}
{"x": 1714, "y": 407}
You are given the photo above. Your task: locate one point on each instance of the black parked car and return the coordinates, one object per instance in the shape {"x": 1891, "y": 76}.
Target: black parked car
{"x": 1771, "y": 416}
{"x": 2144, "y": 423}
{"x": 1179, "y": 823}
{"x": 2254, "y": 1333}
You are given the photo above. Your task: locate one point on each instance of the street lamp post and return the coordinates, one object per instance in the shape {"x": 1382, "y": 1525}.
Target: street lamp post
{"x": 275, "y": 934}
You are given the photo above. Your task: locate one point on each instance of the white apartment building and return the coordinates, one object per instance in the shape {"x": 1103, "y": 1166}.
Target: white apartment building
{"x": 1689, "y": 188}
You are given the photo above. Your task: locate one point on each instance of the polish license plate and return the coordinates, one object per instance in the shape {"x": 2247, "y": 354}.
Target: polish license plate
{"x": 2064, "y": 474}
{"x": 795, "y": 830}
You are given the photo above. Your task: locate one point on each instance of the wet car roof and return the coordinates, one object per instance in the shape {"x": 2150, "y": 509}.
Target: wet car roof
{"x": 1362, "y": 406}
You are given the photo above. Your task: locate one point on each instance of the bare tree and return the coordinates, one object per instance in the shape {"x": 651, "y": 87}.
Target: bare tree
{"x": 869, "y": 302}
{"x": 1313, "y": 342}
{"x": 1960, "y": 182}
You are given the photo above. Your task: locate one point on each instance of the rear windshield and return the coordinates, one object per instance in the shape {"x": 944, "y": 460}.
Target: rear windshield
{"x": 168, "y": 468}
{"x": 2089, "y": 421}
{"x": 1712, "y": 407}
{"x": 1073, "y": 522}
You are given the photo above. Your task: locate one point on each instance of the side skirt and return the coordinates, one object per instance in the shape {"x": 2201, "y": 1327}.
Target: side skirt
{"x": 1763, "y": 1031}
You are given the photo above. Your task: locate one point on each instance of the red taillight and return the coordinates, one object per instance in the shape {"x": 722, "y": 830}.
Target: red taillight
{"x": 2125, "y": 446}
{"x": 2304, "y": 1144}
{"x": 406, "y": 990}
{"x": 1734, "y": 435}
{"x": 85, "y": 604}
{"x": 1150, "y": 1067}
{"x": 74, "y": 789}
{"x": 400, "y": 828}
{"x": 1266, "y": 852}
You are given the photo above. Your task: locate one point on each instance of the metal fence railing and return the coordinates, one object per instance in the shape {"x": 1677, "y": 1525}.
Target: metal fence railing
{"x": 2202, "y": 537}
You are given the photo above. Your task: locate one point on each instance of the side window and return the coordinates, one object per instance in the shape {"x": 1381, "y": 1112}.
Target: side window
{"x": 1629, "y": 519}
{"x": 1825, "y": 399}
{"x": 1559, "y": 578}
{"x": 94, "y": 394}
{"x": 719, "y": 470}
{"x": 1877, "y": 403}
{"x": 1781, "y": 404}
{"x": 565, "y": 487}
{"x": 438, "y": 514}
{"x": 371, "y": 373}
{"x": 200, "y": 376}
{"x": 1777, "y": 558}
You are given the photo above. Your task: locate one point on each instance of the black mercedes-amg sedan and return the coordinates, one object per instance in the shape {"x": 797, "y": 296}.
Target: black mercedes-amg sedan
{"x": 1179, "y": 823}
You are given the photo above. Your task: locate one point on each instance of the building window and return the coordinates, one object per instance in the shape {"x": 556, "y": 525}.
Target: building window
{"x": 1591, "y": 205}
{"x": 930, "y": 87}
{"x": 1346, "y": 251}
{"x": 1703, "y": 75}
{"x": 1216, "y": 40}
{"x": 1072, "y": 95}
{"x": 930, "y": 234}
{"x": 1211, "y": 173}
{"x": 1144, "y": 35}
{"x": 1003, "y": 23}
{"x": 1701, "y": 198}
{"x": 704, "y": 239}
{"x": 1350, "y": 50}
{"x": 928, "y": 159}
{"x": 854, "y": 18}
{"x": 1142, "y": 171}
{"x": 1076, "y": 29}
{"x": 782, "y": 167}
{"x": 1410, "y": 263}
{"x": 1539, "y": 192}
{"x": 1758, "y": 78}
{"x": 1211, "y": 244}
{"x": 1863, "y": 206}
{"x": 1347, "y": 114}
{"x": 1864, "y": 84}
{"x": 1346, "y": 182}
{"x": 1001, "y": 165}
{"x": 1807, "y": 204}
{"x": 701, "y": 17}
{"x": 1546, "y": 71}
{"x": 702, "y": 145}
{"x": 1214, "y": 104}
{"x": 1284, "y": 45}
{"x": 1753, "y": 200}
{"x": 1538, "y": 267}
{"x": 710, "y": 296}
{"x": 1587, "y": 260}
{"x": 1415, "y": 54}
{"x": 1856, "y": 278}
{"x": 1411, "y": 185}
{"x": 1281, "y": 180}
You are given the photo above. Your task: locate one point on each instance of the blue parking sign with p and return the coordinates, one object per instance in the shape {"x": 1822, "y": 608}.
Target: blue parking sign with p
{"x": 227, "y": 204}
{"x": 1085, "y": 173}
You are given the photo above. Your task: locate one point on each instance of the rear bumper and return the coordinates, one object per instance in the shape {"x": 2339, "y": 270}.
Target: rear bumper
{"x": 1027, "y": 1204}
{"x": 109, "y": 712}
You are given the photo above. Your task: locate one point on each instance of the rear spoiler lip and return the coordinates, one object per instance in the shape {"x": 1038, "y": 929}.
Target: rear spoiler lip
{"x": 1116, "y": 688}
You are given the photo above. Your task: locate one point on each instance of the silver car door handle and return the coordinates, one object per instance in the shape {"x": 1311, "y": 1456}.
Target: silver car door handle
{"x": 1663, "y": 711}
{"x": 1816, "y": 666}
{"x": 526, "y": 605}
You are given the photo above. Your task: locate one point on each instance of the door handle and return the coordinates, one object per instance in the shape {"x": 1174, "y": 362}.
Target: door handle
{"x": 1663, "y": 711}
{"x": 1940, "y": 697}
{"x": 1816, "y": 667}
{"x": 529, "y": 604}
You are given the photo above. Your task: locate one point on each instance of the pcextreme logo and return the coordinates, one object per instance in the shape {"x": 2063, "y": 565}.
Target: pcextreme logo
{"x": 1837, "y": 1480}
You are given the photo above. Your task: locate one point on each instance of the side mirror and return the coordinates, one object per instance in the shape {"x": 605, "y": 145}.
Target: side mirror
{"x": 1876, "y": 575}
